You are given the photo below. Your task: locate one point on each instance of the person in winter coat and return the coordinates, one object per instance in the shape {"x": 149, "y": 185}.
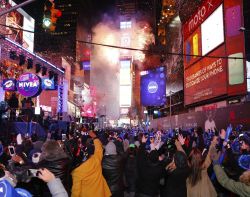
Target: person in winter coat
{"x": 177, "y": 173}
{"x": 130, "y": 170}
{"x": 112, "y": 169}
{"x": 150, "y": 171}
{"x": 88, "y": 180}
{"x": 198, "y": 182}
{"x": 57, "y": 161}
{"x": 241, "y": 187}
{"x": 54, "y": 184}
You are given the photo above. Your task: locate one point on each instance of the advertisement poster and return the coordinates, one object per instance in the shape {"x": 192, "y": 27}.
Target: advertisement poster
{"x": 153, "y": 87}
{"x": 14, "y": 19}
{"x": 212, "y": 33}
{"x": 206, "y": 79}
{"x": 208, "y": 119}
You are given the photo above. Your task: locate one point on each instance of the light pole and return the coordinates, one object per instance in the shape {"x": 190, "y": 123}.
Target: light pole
{"x": 170, "y": 108}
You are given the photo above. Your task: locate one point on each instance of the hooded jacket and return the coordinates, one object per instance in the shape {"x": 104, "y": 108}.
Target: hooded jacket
{"x": 88, "y": 180}
{"x": 150, "y": 171}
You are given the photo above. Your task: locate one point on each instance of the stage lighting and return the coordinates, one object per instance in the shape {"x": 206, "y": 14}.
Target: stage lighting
{"x": 30, "y": 63}
{"x": 44, "y": 71}
{"x": 21, "y": 59}
{"x": 38, "y": 68}
{"x": 13, "y": 55}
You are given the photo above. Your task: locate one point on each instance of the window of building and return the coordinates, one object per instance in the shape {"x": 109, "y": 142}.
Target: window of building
{"x": 125, "y": 25}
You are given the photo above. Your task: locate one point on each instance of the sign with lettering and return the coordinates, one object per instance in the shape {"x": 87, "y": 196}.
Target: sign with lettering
{"x": 9, "y": 84}
{"x": 203, "y": 12}
{"x": 29, "y": 85}
{"x": 206, "y": 79}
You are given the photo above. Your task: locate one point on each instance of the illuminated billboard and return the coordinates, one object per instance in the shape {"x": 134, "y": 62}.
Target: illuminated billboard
{"x": 48, "y": 84}
{"x": 9, "y": 84}
{"x": 214, "y": 65}
{"x": 86, "y": 65}
{"x": 125, "y": 83}
{"x": 20, "y": 20}
{"x": 153, "y": 87}
{"x": 215, "y": 23}
{"x": 206, "y": 79}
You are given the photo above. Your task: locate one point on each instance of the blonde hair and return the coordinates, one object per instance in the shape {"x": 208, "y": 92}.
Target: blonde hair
{"x": 245, "y": 178}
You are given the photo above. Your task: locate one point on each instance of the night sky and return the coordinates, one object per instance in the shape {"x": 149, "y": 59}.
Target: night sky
{"x": 93, "y": 9}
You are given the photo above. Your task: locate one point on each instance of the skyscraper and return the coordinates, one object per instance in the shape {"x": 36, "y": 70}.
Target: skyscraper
{"x": 65, "y": 32}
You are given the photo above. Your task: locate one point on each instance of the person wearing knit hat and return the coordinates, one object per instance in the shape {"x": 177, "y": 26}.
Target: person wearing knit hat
{"x": 110, "y": 149}
{"x": 112, "y": 170}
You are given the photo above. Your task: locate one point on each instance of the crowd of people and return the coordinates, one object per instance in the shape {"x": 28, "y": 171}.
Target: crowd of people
{"x": 127, "y": 163}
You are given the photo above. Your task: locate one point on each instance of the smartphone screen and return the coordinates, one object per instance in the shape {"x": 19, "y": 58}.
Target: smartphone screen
{"x": 64, "y": 137}
{"x": 11, "y": 150}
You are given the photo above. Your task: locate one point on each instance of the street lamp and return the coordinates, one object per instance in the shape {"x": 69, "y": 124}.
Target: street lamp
{"x": 170, "y": 108}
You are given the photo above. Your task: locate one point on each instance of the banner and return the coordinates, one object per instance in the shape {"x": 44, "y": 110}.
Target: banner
{"x": 220, "y": 118}
{"x": 206, "y": 79}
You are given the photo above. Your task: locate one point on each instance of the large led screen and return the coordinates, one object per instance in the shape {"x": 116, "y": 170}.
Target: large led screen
{"x": 125, "y": 96}
{"x": 125, "y": 75}
{"x": 212, "y": 31}
{"x": 206, "y": 79}
{"x": 153, "y": 87}
{"x": 20, "y": 19}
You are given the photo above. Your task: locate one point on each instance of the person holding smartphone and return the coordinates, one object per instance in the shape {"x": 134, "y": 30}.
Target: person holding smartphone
{"x": 87, "y": 178}
{"x": 54, "y": 184}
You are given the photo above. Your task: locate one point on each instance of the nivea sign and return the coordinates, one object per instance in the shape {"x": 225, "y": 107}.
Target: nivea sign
{"x": 48, "y": 84}
{"x": 29, "y": 85}
{"x": 152, "y": 87}
{"x": 9, "y": 84}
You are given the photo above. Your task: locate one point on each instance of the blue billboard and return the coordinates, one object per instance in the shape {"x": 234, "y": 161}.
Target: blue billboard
{"x": 153, "y": 87}
{"x": 9, "y": 84}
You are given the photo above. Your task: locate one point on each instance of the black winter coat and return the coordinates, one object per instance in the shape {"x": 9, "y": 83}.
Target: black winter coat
{"x": 176, "y": 179}
{"x": 131, "y": 173}
{"x": 149, "y": 174}
{"x": 112, "y": 169}
{"x": 60, "y": 167}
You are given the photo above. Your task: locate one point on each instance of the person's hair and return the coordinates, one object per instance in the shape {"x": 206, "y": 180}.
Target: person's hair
{"x": 34, "y": 137}
{"x": 245, "y": 178}
{"x": 195, "y": 164}
{"x": 154, "y": 156}
{"x": 51, "y": 150}
{"x": 27, "y": 146}
{"x": 180, "y": 160}
{"x": 131, "y": 151}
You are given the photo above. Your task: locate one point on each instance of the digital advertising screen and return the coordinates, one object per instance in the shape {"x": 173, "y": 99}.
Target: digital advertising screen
{"x": 48, "y": 84}
{"x": 206, "y": 79}
{"x": 9, "y": 84}
{"x": 153, "y": 87}
{"x": 20, "y": 19}
{"x": 215, "y": 23}
{"x": 213, "y": 44}
{"x": 86, "y": 65}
